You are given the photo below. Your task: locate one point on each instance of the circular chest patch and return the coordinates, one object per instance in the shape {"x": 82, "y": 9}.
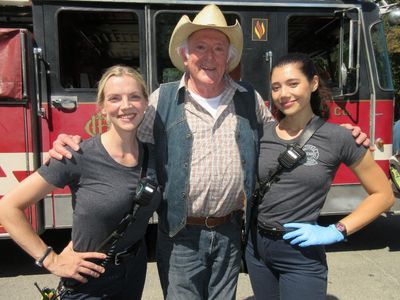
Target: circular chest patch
{"x": 312, "y": 155}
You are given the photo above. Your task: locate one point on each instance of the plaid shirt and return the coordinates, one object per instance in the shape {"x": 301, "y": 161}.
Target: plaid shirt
{"x": 216, "y": 175}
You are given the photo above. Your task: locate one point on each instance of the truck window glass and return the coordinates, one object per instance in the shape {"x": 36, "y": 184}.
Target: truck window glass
{"x": 92, "y": 41}
{"x": 381, "y": 56}
{"x": 16, "y": 17}
{"x": 319, "y": 37}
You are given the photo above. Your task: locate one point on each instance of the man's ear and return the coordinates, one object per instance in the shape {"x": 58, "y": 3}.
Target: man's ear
{"x": 184, "y": 55}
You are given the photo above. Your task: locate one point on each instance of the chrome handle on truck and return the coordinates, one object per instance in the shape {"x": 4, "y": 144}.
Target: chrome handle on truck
{"x": 65, "y": 103}
{"x": 37, "y": 57}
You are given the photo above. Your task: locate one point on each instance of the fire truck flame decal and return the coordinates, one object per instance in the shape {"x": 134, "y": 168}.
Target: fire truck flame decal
{"x": 260, "y": 27}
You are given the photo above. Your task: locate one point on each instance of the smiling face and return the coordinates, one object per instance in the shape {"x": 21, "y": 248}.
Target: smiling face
{"x": 291, "y": 89}
{"x": 124, "y": 103}
{"x": 207, "y": 60}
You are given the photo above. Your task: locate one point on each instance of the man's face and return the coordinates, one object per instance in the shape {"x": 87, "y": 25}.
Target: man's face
{"x": 208, "y": 57}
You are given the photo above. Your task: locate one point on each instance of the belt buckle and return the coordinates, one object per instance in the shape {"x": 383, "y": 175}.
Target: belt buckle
{"x": 208, "y": 226}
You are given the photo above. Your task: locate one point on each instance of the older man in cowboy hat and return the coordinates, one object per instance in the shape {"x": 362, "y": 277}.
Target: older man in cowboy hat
{"x": 205, "y": 131}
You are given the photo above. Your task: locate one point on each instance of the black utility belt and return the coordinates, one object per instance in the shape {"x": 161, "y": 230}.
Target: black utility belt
{"x": 275, "y": 232}
{"x": 271, "y": 232}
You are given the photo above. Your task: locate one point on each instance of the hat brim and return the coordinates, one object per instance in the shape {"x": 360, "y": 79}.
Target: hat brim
{"x": 185, "y": 28}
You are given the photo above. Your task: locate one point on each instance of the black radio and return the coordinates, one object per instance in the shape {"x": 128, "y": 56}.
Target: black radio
{"x": 291, "y": 157}
{"x": 145, "y": 191}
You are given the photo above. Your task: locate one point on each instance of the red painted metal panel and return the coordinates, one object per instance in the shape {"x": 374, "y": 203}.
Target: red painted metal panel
{"x": 10, "y": 63}
{"x": 384, "y": 120}
{"x": 12, "y": 130}
{"x": 358, "y": 113}
{"x": 85, "y": 121}
{"x": 15, "y": 129}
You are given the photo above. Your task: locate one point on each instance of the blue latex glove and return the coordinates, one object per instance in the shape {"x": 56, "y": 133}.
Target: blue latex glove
{"x": 309, "y": 235}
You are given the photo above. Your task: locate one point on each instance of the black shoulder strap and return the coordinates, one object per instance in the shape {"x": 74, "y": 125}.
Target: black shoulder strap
{"x": 108, "y": 245}
{"x": 145, "y": 161}
{"x": 308, "y": 132}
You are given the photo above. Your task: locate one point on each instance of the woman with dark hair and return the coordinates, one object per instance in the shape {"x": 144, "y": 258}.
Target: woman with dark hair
{"x": 285, "y": 252}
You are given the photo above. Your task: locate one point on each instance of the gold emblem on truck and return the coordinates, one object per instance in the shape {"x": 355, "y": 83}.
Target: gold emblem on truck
{"x": 97, "y": 124}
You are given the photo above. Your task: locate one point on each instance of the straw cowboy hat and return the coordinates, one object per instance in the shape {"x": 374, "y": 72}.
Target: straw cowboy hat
{"x": 210, "y": 17}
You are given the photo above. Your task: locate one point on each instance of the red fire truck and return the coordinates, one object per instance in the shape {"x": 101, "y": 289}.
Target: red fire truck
{"x": 53, "y": 52}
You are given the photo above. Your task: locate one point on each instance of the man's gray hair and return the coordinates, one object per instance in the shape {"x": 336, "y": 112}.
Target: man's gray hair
{"x": 183, "y": 47}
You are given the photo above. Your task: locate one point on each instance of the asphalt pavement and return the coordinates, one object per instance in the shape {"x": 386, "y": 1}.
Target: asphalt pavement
{"x": 366, "y": 267}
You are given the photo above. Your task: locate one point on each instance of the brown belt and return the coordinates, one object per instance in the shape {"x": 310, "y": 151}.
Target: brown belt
{"x": 209, "y": 222}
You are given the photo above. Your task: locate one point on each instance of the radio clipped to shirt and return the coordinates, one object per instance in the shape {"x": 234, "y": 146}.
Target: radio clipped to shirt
{"x": 291, "y": 157}
{"x": 287, "y": 160}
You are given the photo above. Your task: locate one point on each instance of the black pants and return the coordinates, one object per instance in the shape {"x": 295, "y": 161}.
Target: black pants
{"x": 124, "y": 281}
{"x": 286, "y": 272}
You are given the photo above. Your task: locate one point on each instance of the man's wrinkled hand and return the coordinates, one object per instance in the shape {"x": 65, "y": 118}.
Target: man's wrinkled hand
{"x": 59, "y": 151}
{"x": 360, "y": 137}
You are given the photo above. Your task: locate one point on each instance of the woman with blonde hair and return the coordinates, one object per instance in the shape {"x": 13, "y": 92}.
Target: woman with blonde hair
{"x": 103, "y": 177}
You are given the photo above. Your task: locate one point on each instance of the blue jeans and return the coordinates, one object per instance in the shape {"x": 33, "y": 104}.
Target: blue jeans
{"x": 200, "y": 263}
{"x": 124, "y": 281}
{"x": 279, "y": 270}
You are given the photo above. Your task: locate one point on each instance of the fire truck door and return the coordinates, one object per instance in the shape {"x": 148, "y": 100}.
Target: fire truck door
{"x": 19, "y": 127}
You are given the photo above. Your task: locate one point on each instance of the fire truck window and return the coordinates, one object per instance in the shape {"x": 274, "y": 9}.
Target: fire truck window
{"x": 92, "y": 41}
{"x": 165, "y": 24}
{"x": 16, "y": 17}
{"x": 318, "y": 36}
{"x": 381, "y": 57}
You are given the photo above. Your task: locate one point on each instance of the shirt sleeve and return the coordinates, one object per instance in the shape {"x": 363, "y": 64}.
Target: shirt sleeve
{"x": 350, "y": 152}
{"x": 145, "y": 132}
{"x": 262, "y": 112}
{"x": 61, "y": 172}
